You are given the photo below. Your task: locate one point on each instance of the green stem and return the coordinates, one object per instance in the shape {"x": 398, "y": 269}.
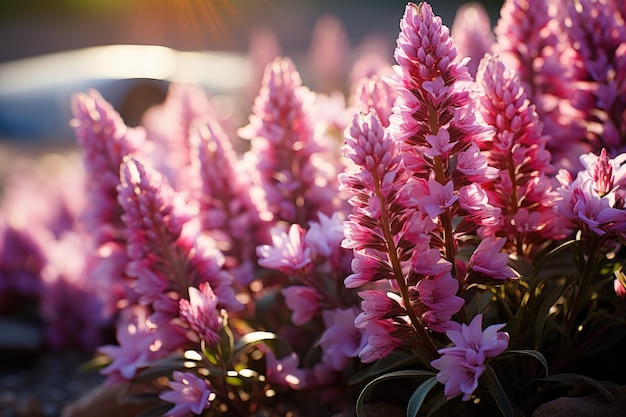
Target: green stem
{"x": 399, "y": 275}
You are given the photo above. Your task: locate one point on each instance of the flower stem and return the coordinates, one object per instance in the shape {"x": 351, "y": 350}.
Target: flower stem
{"x": 399, "y": 275}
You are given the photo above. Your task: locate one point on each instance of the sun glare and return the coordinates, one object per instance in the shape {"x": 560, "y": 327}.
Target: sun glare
{"x": 211, "y": 22}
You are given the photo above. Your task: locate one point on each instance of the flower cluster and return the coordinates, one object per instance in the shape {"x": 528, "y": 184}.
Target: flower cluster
{"x": 333, "y": 243}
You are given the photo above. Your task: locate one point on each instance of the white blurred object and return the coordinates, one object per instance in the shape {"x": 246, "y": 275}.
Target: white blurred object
{"x": 35, "y": 92}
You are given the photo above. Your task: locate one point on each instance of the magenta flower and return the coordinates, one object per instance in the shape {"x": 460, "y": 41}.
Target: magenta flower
{"x": 489, "y": 260}
{"x": 201, "y": 314}
{"x": 288, "y": 252}
{"x": 189, "y": 394}
{"x": 302, "y": 301}
{"x": 461, "y": 365}
{"x": 366, "y": 266}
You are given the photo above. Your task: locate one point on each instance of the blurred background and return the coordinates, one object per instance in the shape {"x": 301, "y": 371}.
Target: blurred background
{"x": 53, "y": 48}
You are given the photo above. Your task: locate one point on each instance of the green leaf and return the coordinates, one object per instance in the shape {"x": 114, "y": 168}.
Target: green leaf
{"x": 395, "y": 360}
{"x": 529, "y": 352}
{"x": 409, "y": 373}
{"x": 490, "y": 379}
{"x": 161, "y": 367}
{"x": 553, "y": 252}
{"x": 418, "y": 397}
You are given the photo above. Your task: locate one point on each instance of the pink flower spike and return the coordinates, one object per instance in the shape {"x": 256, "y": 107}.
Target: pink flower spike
{"x": 201, "y": 314}
{"x": 288, "y": 254}
{"x": 490, "y": 261}
{"x": 302, "y": 301}
{"x": 189, "y": 394}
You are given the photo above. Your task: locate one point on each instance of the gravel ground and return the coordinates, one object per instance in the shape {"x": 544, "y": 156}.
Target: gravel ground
{"x": 46, "y": 386}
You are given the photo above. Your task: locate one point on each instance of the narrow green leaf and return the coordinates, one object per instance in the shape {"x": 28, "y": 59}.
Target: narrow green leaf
{"x": 409, "y": 373}
{"x": 553, "y": 252}
{"x": 495, "y": 388}
{"x": 418, "y": 397}
{"x": 529, "y": 352}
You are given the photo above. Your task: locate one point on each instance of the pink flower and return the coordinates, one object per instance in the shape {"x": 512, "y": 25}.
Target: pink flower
{"x": 488, "y": 259}
{"x": 139, "y": 343}
{"x": 288, "y": 254}
{"x": 200, "y": 313}
{"x": 302, "y": 301}
{"x": 284, "y": 371}
{"x": 458, "y": 375}
{"x": 620, "y": 288}
{"x": 440, "y": 144}
{"x": 461, "y": 365}
{"x": 438, "y": 294}
{"x": 105, "y": 140}
{"x": 377, "y": 305}
{"x": 189, "y": 393}
{"x": 372, "y": 93}
{"x": 475, "y": 201}
{"x": 341, "y": 341}
{"x": 288, "y": 161}
{"x": 380, "y": 342}
{"x": 366, "y": 266}
{"x": 324, "y": 237}
{"x": 439, "y": 198}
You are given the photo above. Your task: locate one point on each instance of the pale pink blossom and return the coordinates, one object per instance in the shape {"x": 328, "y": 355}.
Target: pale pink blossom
{"x": 438, "y": 295}
{"x": 284, "y": 371}
{"x": 139, "y": 343}
{"x": 302, "y": 301}
{"x": 189, "y": 394}
{"x": 439, "y": 198}
{"x": 461, "y": 365}
{"x": 201, "y": 314}
{"x": 489, "y": 260}
{"x": 366, "y": 266}
{"x": 341, "y": 341}
{"x": 440, "y": 144}
{"x": 380, "y": 342}
{"x": 325, "y": 236}
{"x": 288, "y": 252}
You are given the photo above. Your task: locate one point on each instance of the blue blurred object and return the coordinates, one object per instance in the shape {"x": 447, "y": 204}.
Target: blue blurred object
{"x": 35, "y": 93}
